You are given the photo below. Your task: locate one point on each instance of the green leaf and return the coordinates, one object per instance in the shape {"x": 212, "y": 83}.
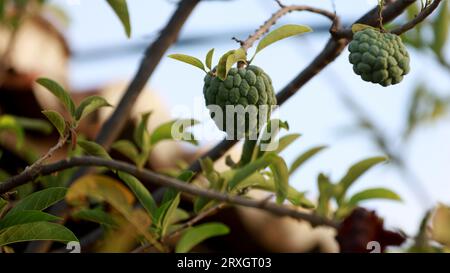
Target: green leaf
{"x": 8, "y": 122}
{"x": 3, "y": 203}
{"x": 246, "y": 171}
{"x": 305, "y": 157}
{"x": 140, "y": 134}
{"x": 268, "y": 141}
{"x": 38, "y": 125}
{"x": 96, "y": 216}
{"x": 57, "y": 120}
{"x": 228, "y": 60}
{"x": 166, "y": 217}
{"x": 141, "y": 192}
{"x": 93, "y": 148}
{"x": 281, "y": 177}
{"x": 375, "y": 193}
{"x": 441, "y": 29}
{"x": 359, "y": 27}
{"x": 26, "y": 216}
{"x": 281, "y": 33}
{"x": 285, "y": 141}
{"x": 186, "y": 175}
{"x": 354, "y": 173}
{"x": 120, "y": 7}
{"x": 326, "y": 189}
{"x": 258, "y": 181}
{"x": 126, "y": 148}
{"x": 36, "y": 231}
{"x": 59, "y": 92}
{"x": 198, "y": 234}
{"x": 209, "y": 57}
{"x": 175, "y": 129}
{"x": 40, "y": 200}
{"x": 89, "y": 105}
{"x": 189, "y": 60}
{"x": 279, "y": 170}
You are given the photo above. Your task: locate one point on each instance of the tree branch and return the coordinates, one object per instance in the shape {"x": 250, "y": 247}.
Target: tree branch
{"x": 149, "y": 177}
{"x": 264, "y": 28}
{"x": 35, "y": 168}
{"x": 418, "y": 19}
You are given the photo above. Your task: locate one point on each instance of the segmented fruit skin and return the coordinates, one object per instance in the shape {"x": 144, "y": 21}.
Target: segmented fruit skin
{"x": 378, "y": 57}
{"x": 246, "y": 87}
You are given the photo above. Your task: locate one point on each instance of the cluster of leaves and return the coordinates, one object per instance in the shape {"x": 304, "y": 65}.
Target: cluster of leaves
{"x": 234, "y": 56}
{"x": 153, "y": 222}
{"x": 25, "y": 221}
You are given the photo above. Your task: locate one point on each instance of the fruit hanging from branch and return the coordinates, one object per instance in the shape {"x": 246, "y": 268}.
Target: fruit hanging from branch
{"x": 377, "y": 56}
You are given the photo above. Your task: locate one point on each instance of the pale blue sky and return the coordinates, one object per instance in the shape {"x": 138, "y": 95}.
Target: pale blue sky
{"x": 315, "y": 112}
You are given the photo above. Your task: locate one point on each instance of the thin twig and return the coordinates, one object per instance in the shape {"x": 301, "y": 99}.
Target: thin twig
{"x": 35, "y": 168}
{"x": 150, "y": 178}
{"x": 418, "y": 19}
{"x": 264, "y": 28}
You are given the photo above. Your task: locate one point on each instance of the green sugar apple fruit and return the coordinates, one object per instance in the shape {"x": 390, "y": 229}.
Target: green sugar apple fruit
{"x": 378, "y": 57}
{"x": 249, "y": 87}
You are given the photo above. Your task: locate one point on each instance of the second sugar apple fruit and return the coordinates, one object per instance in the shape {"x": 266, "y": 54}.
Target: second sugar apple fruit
{"x": 378, "y": 57}
{"x": 248, "y": 86}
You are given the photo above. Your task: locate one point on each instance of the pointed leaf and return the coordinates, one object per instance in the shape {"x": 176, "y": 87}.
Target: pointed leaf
{"x": 355, "y": 172}
{"x": 126, "y": 148}
{"x": 175, "y": 129}
{"x": 96, "y": 216}
{"x": 281, "y": 177}
{"x": 120, "y": 7}
{"x": 281, "y": 33}
{"x": 36, "y": 231}
{"x": 3, "y": 203}
{"x": 359, "y": 27}
{"x": 57, "y": 120}
{"x": 26, "y": 216}
{"x": 198, "y": 234}
{"x": 228, "y": 60}
{"x": 189, "y": 60}
{"x": 102, "y": 189}
{"x": 326, "y": 189}
{"x": 279, "y": 170}
{"x": 209, "y": 57}
{"x": 268, "y": 141}
{"x": 32, "y": 124}
{"x": 140, "y": 134}
{"x": 8, "y": 122}
{"x": 285, "y": 141}
{"x": 169, "y": 213}
{"x": 93, "y": 149}
{"x": 141, "y": 192}
{"x": 40, "y": 200}
{"x": 375, "y": 193}
{"x": 305, "y": 157}
{"x": 89, "y": 105}
{"x": 60, "y": 93}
